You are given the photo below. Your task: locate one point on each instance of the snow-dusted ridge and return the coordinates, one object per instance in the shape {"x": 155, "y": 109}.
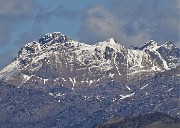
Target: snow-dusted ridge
{"x": 57, "y": 56}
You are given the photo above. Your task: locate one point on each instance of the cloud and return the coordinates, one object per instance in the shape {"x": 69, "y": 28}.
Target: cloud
{"x": 131, "y": 22}
{"x": 176, "y": 4}
{"x": 97, "y": 24}
{"x": 16, "y": 8}
{"x": 28, "y": 36}
{"x": 45, "y": 15}
{"x": 13, "y": 12}
{"x": 41, "y": 19}
{"x": 33, "y": 34}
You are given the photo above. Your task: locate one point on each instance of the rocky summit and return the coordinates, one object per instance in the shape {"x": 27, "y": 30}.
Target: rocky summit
{"x": 61, "y": 83}
{"x": 57, "y": 60}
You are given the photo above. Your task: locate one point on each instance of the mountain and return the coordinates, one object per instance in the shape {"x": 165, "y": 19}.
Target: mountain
{"x": 56, "y": 59}
{"x": 58, "y": 82}
{"x": 150, "y": 120}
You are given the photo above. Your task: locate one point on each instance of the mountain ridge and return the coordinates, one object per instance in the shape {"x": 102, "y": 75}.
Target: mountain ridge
{"x": 58, "y": 82}
{"x": 148, "y": 120}
{"x": 56, "y": 52}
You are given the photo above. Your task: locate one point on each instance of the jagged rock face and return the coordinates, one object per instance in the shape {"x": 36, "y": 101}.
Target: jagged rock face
{"x": 57, "y": 60}
{"x": 58, "y": 82}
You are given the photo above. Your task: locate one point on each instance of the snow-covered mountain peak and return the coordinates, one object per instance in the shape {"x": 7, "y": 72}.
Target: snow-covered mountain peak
{"x": 133, "y": 47}
{"x": 111, "y": 40}
{"x": 110, "y": 43}
{"x": 55, "y": 56}
{"x": 169, "y": 45}
{"x": 151, "y": 45}
{"x": 55, "y": 37}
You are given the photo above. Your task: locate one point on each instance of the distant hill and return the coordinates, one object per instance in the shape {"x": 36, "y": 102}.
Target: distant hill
{"x": 151, "y": 120}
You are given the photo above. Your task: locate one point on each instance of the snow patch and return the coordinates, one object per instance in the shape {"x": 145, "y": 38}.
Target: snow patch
{"x": 128, "y": 87}
{"x": 116, "y": 65}
{"x": 63, "y": 79}
{"x": 56, "y": 95}
{"x": 9, "y": 70}
{"x": 111, "y": 75}
{"x": 144, "y": 86}
{"x": 26, "y": 78}
{"x": 73, "y": 81}
{"x": 126, "y": 96}
{"x": 169, "y": 90}
{"x": 98, "y": 98}
{"x": 45, "y": 80}
{"x": 164, "y": 62}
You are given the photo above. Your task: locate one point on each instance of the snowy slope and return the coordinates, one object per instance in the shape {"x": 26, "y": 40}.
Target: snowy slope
{"x": 57, "y": 59}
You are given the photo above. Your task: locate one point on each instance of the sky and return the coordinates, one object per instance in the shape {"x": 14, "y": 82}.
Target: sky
{"x": 130, "y": 22}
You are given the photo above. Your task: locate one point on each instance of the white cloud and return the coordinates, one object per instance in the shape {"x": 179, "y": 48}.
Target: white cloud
{"x": 13, "y": 12}
{"x": 16, "y": 7}
{"x": 99, "y": 21}
{"x": 131, "y": 22}
{"x": 101, "y": 24}
{"x": 176, "y": 4}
